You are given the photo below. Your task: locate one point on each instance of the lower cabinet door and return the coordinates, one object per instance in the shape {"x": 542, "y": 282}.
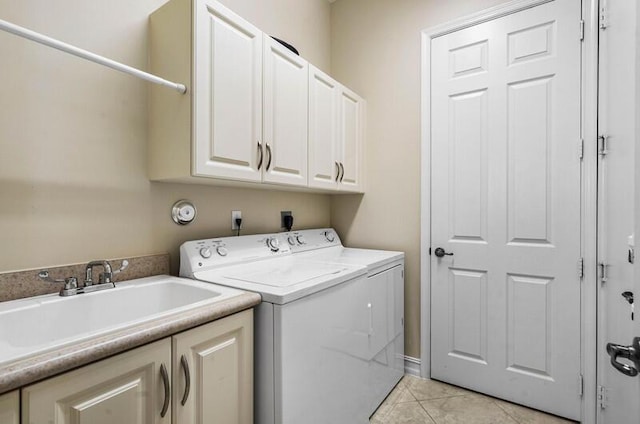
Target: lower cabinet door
{"x": 213, "y": 372}
{"x": 130, "y": 388}
{"x": 10, "y": 408}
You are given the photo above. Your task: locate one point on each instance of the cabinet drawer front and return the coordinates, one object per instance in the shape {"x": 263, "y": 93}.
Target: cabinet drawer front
{"x": 126, "y": 388}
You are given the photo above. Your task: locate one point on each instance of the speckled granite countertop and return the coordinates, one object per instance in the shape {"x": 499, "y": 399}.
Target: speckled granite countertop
{"x": 26, "y": 371}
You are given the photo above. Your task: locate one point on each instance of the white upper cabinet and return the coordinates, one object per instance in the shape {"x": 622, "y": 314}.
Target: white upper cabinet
{"x": 228, "y": 94}
{"x": 335, "y": 134}
{"x": 285, "y": 114}
{"x": 350, "y": 139}
{"x": 324, "y": 168}
{"x": 245, "y": 118}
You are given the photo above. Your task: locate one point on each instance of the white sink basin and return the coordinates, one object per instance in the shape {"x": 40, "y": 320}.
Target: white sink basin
{"x": 35, "y": 325}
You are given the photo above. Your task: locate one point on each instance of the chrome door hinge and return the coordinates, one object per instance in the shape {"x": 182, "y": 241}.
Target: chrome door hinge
{"x": 602, "y": 145}
{"x": 603, "y": 397}
{"x": 581, "y": 30}
{"x": 581, "y": 268}
{"x": 603, "y": 271}
{"x": 580, "y": 385}
{"x": 603, "y": 18}
{"x": 581, "y": 149}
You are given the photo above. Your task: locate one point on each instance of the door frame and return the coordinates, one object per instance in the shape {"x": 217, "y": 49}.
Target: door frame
{"x": 589, "y": 131}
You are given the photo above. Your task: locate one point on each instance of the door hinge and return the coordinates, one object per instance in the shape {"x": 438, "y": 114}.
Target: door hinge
{"x": 581, "y": 149}
{"x": 602, "y": 145}
{"x": 580, "y": 385}
{"x": 603, "y": 271}
{"x": 581, "y": 268}
{"x": 581, "y": 30}
{"x": 603, "y": 397}
{"x": 603, "y": 18}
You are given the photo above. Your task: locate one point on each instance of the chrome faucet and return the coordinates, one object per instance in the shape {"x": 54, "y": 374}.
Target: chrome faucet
{"x": 105, "y": 280}
{"x": 105, "y": 277}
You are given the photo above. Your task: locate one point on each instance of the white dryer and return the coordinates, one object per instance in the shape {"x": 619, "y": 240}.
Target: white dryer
{"x": 319, "y": 336}
{"x": 385, "y": 293}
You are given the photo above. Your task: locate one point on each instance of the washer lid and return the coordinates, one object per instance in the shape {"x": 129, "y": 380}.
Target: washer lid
{"x": 278, "y": 273}
{"x": 283, "y": 280}
{"x": 372, "y": 259}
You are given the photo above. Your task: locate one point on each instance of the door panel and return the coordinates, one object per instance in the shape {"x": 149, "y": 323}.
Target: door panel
{"x": 323, "y": 130}
{"x": 219, "y": 360}
{"x": 124, "y": 389}
{"x": 618, "y": 119}
{"x": 350, "y": 139}
{"x": 285, "y": 114}
{"x": 506, "y": 202}
{"x": 10, "y": 408}
{"x": 228, "y": 104}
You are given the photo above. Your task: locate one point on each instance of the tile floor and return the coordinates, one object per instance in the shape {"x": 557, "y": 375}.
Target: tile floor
{"x": 418, "y": 401}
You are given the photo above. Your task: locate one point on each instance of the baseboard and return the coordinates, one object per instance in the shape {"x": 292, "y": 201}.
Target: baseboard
{"x": 412, "y": 366}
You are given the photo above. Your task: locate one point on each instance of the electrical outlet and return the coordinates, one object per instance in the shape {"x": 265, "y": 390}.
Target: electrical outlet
{"x": 234, "y": 216}
{"x": 282, "y": 215}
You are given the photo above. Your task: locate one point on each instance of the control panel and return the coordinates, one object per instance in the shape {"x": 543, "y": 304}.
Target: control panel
{"x": 202, "y": 255}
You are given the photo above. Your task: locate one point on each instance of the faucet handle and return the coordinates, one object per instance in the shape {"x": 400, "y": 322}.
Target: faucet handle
{"x": 69, "y": 282}
{"x": 124, "y": 265}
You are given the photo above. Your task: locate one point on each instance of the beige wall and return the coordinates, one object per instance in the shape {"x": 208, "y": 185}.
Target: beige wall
{"x": 73, "y": 183}
{"x": 375, "y": 50}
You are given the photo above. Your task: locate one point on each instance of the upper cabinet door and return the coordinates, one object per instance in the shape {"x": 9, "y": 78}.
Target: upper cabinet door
{"x": 227, "y": 114}
{"x": 350, "y": 135}
{"x": 285, "y": 115}
{"x": 324, "y": 168}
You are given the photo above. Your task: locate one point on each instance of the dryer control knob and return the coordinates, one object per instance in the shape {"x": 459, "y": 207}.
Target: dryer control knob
{"x": 222, "y": 251}
{"x": 330, "y": 236}
{"x": 273, "y": 244}
{"x": 300, "y": 239}
{"x": 291, "y": 240}
{"x": 205, "y": 252}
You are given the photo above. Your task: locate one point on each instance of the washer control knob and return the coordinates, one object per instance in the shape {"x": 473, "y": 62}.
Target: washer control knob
{"x": 205, "y": 252}
{"x": 222, "y": 251}
{"x": 301, "y": 239}
{"x": 273, "y": 244}
{"x": 330, "y": 236}
{"x": 291, "y": 240}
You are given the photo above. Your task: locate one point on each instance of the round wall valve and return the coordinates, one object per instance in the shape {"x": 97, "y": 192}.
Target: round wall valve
{"x": 183, "y": 212}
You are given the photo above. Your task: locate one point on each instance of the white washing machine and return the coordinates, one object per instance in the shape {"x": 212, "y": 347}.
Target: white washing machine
{"x": 328, "y": 334}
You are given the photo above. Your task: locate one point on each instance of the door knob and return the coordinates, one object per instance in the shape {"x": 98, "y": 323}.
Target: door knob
{"x": 440, "y": 252}
{"x": 632, "y": 353}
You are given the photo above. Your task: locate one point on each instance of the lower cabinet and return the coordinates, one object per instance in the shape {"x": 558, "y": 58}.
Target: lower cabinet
{"x": 212, "y": 373}
{"x": 10, "y": 408}
{"x": 207, "y": 371}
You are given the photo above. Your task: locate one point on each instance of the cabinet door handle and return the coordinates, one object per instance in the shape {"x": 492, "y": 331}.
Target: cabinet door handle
{"x": 167, "y": 390}
{"x": 261, "y": 154}
{"x": 337, "y": 171}
{"x": 187, "y": 379}
{"x": 342, "y": 176}
{"x": 269, "y": 159}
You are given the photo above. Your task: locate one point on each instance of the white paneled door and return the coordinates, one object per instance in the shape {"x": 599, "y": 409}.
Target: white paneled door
{"x": 506, "y": 207}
